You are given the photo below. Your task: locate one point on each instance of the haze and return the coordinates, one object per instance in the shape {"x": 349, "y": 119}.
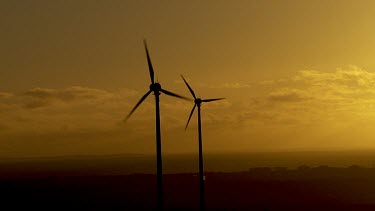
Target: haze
{"x": 297, "y": 75}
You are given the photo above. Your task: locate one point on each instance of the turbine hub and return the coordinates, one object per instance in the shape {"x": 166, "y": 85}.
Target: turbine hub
{"x": 198, "y": 101}
{"x": 155, "y": 87}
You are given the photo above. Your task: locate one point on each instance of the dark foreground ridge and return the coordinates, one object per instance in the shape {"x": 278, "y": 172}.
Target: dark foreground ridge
{"x": 305, "y": 188}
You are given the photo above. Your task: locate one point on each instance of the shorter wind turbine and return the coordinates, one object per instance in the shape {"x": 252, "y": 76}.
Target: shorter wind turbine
{"x": 197, "y": 103}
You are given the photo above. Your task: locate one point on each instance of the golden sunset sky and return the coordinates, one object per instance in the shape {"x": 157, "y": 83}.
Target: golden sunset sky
{"x": 297, "y": 75}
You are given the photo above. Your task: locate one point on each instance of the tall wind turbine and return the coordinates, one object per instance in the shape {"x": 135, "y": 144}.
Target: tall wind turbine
{"x": 156, "y": 89}
{"x": 197, "y": 103}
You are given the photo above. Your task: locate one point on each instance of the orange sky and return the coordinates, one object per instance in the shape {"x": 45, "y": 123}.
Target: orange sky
{"x": 297, "y": 75}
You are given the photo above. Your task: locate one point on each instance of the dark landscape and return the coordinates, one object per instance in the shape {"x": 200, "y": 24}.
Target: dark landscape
{"x": 94, "y": 183}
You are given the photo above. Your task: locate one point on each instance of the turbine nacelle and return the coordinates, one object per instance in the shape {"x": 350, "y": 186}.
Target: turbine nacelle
{"x": 198, "y": 101}
{"x": 155, "y": 87}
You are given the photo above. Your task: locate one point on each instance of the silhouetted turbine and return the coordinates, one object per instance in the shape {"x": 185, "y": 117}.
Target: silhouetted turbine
{"x": 197, "y": 103}
{"x": 156, "y": 88}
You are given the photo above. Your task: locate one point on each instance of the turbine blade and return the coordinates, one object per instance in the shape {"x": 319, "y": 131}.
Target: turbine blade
{"x": 191, "y": 114}
{"x": 149, "y": 63}
{"x": 173, "y": 94}
{"x": 136, "y": 106}
{"x": 191, "y": 90}
{"x": 215, "y": 99}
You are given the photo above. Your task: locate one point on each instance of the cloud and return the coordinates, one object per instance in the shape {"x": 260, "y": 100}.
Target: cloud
{"x": 310, "y": 107}
{"x": 311, "y": 99}
{"x": 288, "y": 95}
{"x": 76, "y": 108}
{"x": 350, "y": 76}
{"x": 235, "y": 85}
{"x": 41, "y": 93}
{"x": 346, "y": 93}
{"x": 5, "y": 94}
{"x": 39, "y": 97}
{"x": 267, "y": 82}
{"x": 226, "y": 85}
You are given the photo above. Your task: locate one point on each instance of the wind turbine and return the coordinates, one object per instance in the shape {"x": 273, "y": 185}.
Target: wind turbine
{"x": 197, "y": 103}
{"x": 156, "y": 89}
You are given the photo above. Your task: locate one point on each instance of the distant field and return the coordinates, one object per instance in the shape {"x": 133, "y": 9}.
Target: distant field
{"x": 220, "y": 162}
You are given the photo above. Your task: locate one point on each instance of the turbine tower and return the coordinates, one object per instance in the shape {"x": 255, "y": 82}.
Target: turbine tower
{"x": 156, "y": 89}
{"x": 197, "y": 103}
